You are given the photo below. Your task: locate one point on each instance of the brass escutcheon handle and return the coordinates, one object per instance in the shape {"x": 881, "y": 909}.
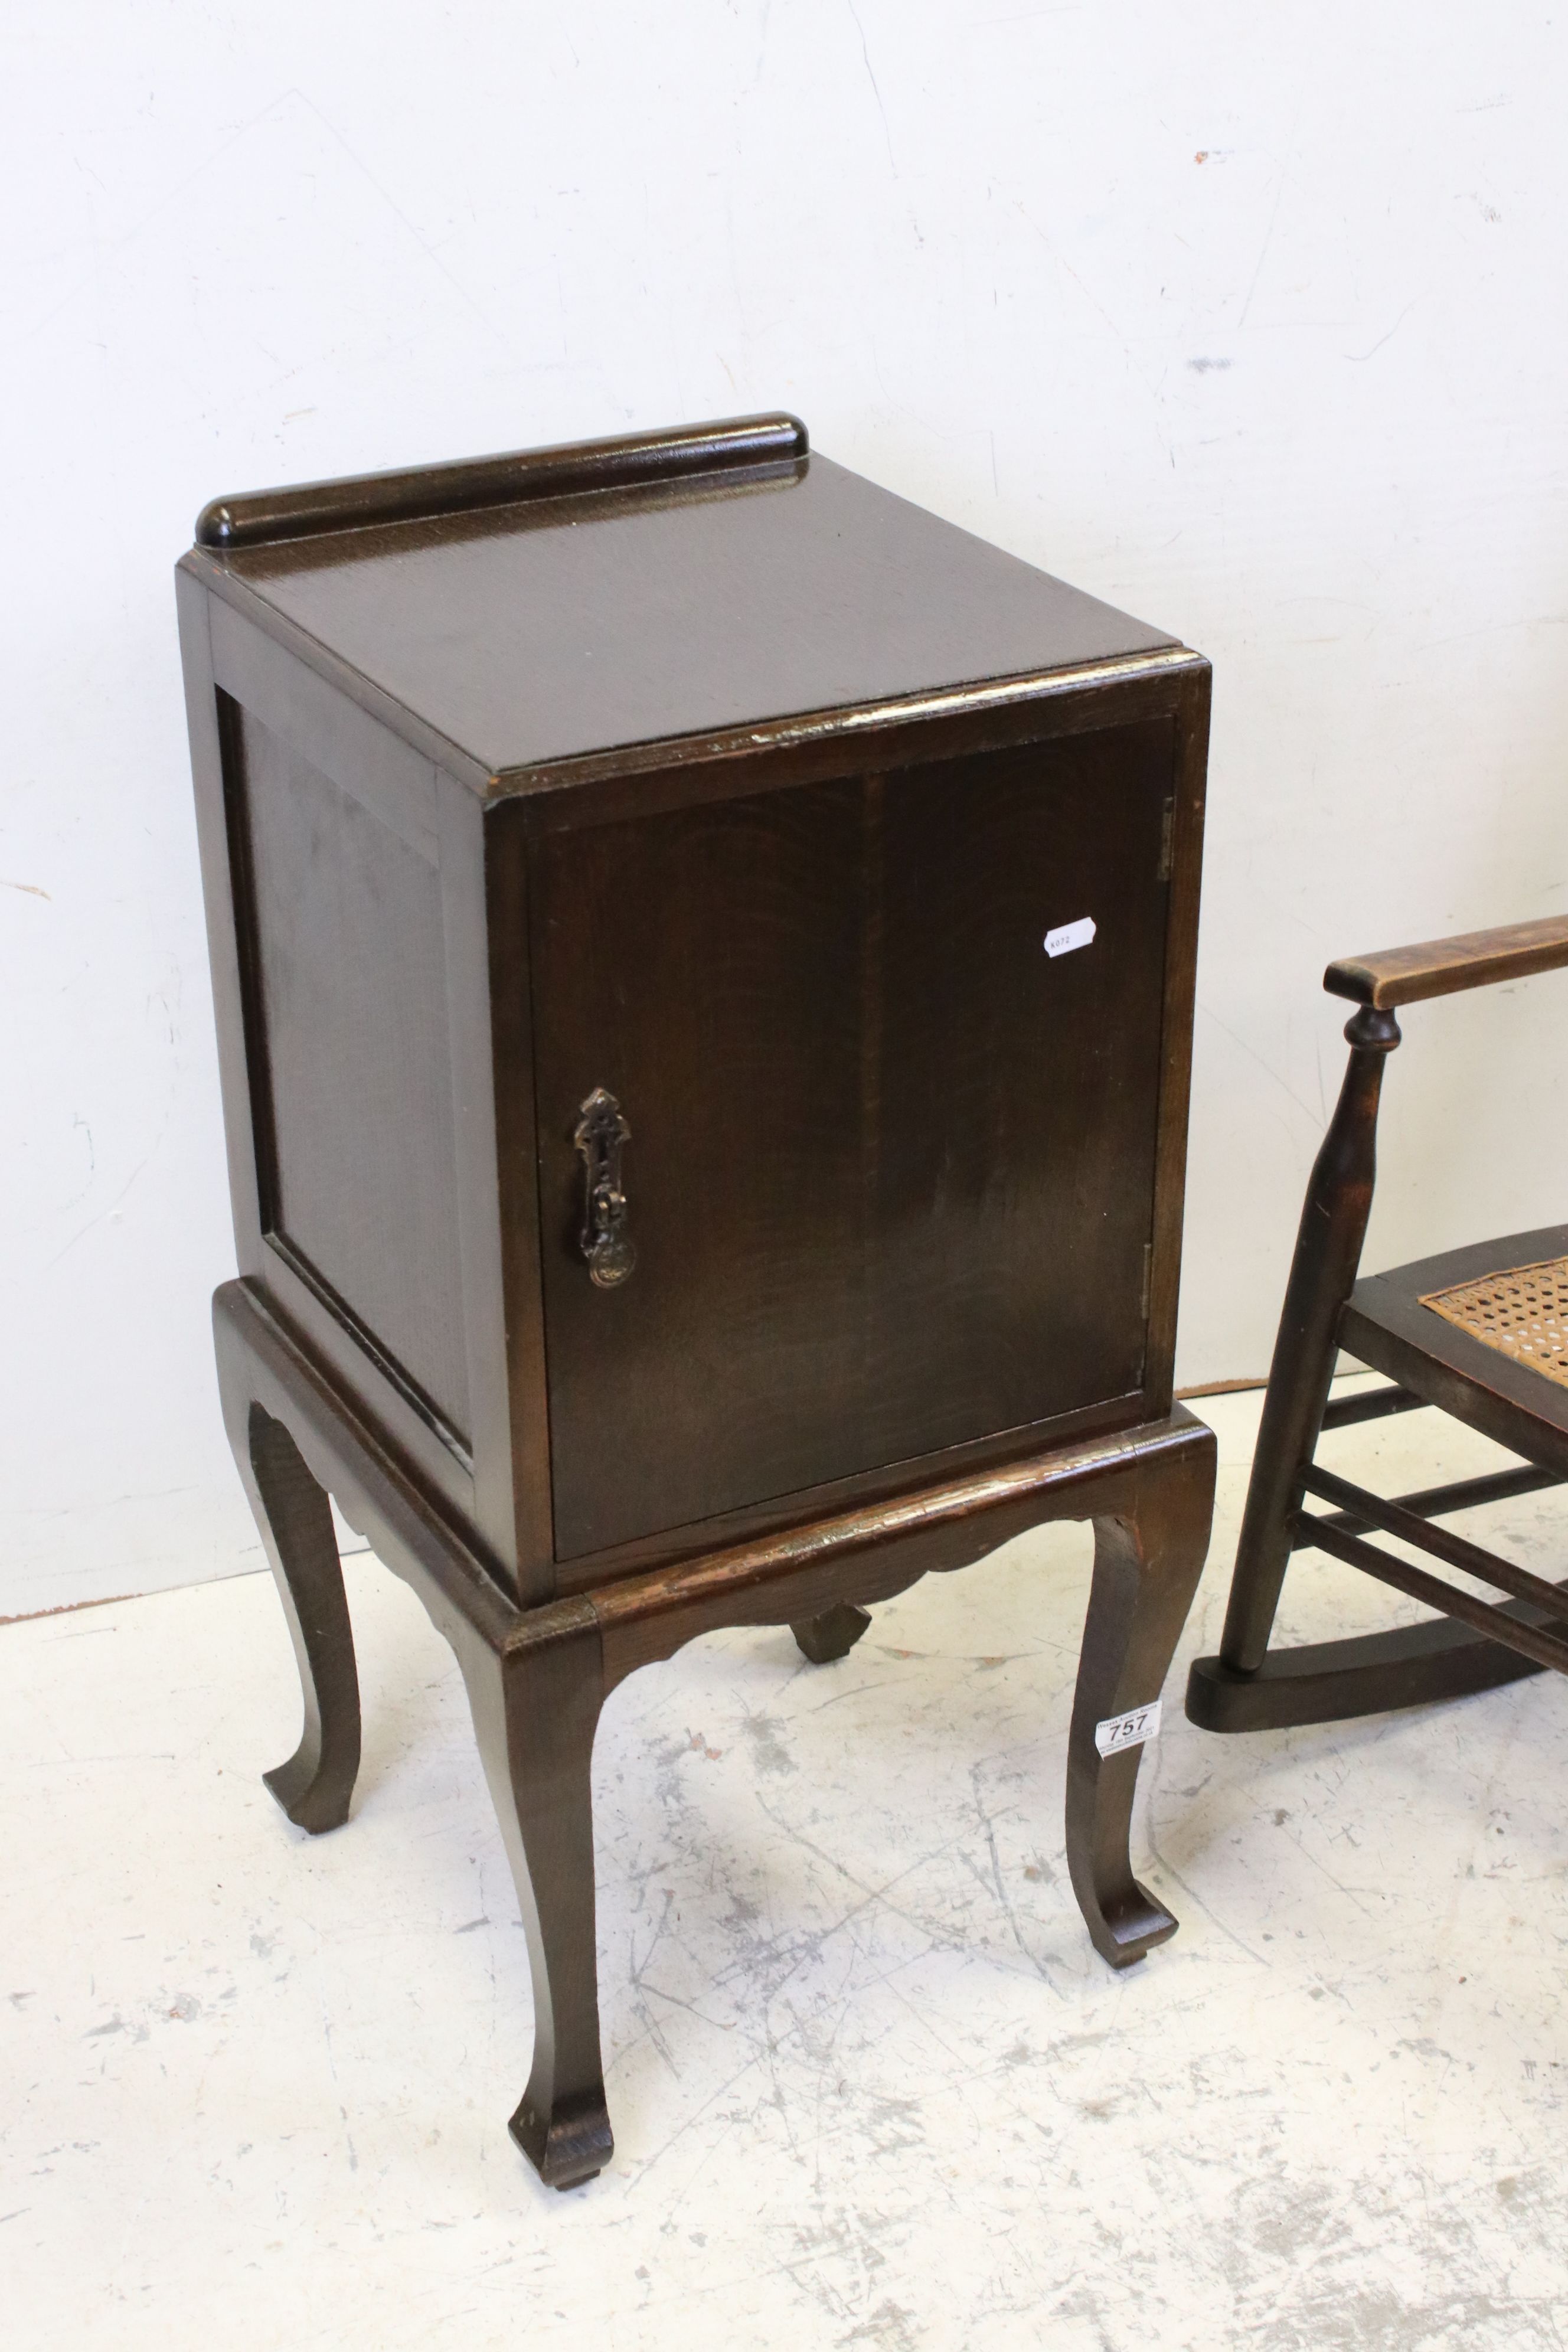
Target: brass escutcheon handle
{"x": 605, "y": 1238}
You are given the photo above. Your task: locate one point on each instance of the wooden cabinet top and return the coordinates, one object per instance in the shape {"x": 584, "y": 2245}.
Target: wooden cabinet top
{"x": 531, "y": 609}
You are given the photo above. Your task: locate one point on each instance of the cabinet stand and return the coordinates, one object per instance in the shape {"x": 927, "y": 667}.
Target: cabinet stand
{"x": 537, "y": 1677}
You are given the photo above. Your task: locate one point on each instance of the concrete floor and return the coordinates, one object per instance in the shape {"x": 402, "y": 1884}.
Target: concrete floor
{"x": 870, "y": 2085}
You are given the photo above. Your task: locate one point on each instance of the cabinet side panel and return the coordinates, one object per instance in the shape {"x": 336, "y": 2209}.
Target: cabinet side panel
{"x": 208, "y": 766}
{"x": 1192, "y": 730}
{"x": 343, "y": 959}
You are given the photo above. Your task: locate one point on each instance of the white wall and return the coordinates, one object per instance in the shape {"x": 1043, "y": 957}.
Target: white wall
{"x": 1250, "y": 320}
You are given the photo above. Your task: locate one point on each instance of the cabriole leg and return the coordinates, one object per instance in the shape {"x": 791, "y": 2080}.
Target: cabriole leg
{"x": 296, "y": 1522}
{"x": 1148, "y": 1558}
{"x": 535, "y": 1712}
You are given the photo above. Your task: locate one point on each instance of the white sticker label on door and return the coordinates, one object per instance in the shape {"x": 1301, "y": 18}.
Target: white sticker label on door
{"x": 1131, "y": 1730}
{"x": 1067, "y": 936}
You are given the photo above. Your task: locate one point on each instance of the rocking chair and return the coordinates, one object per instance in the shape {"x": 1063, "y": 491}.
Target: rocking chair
{"x": 1479, "y": 1332}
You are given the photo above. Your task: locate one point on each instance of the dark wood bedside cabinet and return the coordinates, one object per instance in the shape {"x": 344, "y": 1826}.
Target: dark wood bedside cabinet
{"x": 703, "y": 955}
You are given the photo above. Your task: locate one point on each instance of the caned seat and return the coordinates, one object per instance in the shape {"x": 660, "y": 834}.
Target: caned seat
{"x": 1464, "y": 1325}
{"x": 1480, "y": 1333}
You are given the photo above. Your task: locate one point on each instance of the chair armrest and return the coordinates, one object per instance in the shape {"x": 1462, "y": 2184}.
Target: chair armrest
{"x": 1391, "y": 976}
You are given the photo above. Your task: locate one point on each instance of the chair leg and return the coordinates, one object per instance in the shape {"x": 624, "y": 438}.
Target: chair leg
{"x": 535, "y": 1712}
{"x": 1248, "y": 1687}
{"x": 1147, "y": 1561}
{"x": 315, "y": 1785}
{"x": 833, "y": 1634}
{"x": 1323, "y": 1275}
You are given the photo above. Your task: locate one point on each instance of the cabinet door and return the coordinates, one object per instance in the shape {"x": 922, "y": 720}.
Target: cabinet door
{"x": 890, "y": 1176}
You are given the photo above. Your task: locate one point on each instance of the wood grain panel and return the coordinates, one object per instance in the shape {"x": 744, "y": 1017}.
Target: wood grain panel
{"x": 705, "y": 968}
{"x": 891, "y": 1166}
{"x": 349, "y": 1061}
{"x": 1009, "y": 1148}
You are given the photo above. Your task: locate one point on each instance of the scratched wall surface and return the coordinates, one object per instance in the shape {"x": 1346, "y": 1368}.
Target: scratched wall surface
{"x": 1248, "y": 320}
{"x": 870, "y": 2085}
